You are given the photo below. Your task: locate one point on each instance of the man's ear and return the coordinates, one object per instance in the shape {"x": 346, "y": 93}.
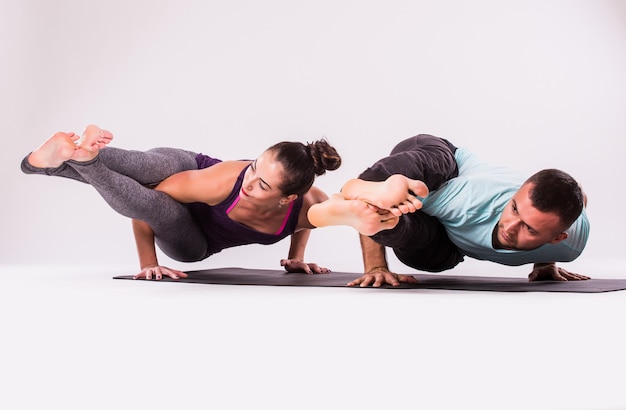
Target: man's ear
{"x": 560, "y": 237}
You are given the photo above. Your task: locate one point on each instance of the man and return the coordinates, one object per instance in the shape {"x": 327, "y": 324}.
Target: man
{"x": 468, "y": 208}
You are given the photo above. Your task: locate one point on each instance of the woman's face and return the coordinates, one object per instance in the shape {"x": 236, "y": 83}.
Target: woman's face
{"x": 262, "y": 180}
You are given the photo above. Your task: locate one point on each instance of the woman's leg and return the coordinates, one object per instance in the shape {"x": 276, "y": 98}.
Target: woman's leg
{"x": 147, "y": 168}
{"x": 175, "y": 229}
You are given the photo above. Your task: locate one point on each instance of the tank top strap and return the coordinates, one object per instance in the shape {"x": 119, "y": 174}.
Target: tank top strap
{"x": 282, "y": 226}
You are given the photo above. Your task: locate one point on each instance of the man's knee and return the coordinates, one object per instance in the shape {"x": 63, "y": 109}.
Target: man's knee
{"x": 423, "y": 157}
{"x": 421, "y": 141}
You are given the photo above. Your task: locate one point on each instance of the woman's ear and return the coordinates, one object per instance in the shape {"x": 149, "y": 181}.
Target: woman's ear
{"x": 288, "y": 199}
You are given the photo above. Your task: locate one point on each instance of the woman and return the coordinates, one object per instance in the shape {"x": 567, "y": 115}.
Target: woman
{"x": 193, "y": 205}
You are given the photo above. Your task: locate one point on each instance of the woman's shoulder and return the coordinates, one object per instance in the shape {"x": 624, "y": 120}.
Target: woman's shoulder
{"x": 220, "y": 166}
{"x": 311, "y": 197}
{"x": 218, "y": 180}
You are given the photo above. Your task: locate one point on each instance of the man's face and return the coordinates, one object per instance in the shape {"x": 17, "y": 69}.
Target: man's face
{"x": 524, "y": 227}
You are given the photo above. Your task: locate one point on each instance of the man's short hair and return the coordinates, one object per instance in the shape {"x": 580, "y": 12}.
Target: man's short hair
{"x": 555, "y": 191}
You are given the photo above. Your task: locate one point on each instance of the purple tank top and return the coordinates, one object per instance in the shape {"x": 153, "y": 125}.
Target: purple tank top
{"x": 222, "y": 232}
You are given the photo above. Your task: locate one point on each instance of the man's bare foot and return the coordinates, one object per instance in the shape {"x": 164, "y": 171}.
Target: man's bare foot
{"x": 365, "y": 218}
{"x": 55, "y": 151}
{"x": 94, "y": 138}
{"x": 393, "y": 194}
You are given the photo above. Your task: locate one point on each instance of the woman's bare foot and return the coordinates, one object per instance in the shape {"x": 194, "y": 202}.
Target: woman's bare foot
{"x": 62, "y": 146}
{"x": 365, "y": 218}
{"x": 94, "y": 138}
{"x": 393, "y": 194}
{"x": 55, "y": 151}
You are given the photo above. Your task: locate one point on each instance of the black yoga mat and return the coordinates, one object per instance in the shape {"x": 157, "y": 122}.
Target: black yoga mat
{"x": 241, "y": 276}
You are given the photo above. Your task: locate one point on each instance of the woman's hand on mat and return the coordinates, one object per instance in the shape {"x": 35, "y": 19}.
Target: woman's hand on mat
{"x": 298, "y": 266}
{"x": 549, "y": 271}
{"x": 382, "y": 276}
{"x": 158, "y": 272}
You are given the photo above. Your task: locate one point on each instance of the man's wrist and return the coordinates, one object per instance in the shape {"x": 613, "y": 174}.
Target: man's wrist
{"x": 377, "y": 268}
{"x": 542, "y": 264}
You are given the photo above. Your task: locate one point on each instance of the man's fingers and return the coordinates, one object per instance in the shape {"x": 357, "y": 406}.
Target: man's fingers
{"x": 360, "y": 281}
{"x": 534, "y": 275}
{"x": 390, "y": 279}
{"x": 407, "y": 279}
{"x": 367, "y": 281}
{"x": 572, "y": 276}
{"x": 377, "y": 280}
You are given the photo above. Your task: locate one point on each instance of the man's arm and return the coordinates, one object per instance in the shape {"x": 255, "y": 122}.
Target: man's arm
{"x": 375, "y": 266}
{"x": 549, "y": 271}
{"x": 374, "y": 255}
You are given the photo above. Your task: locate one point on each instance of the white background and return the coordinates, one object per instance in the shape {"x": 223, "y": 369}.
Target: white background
{"x": 530, "y": 84}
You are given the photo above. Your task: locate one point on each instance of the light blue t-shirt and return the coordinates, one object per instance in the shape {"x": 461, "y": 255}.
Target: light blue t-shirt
{"x": 470, "y": 205}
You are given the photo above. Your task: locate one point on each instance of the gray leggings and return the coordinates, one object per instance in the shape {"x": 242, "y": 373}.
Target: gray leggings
{"x": 125, "y": 178}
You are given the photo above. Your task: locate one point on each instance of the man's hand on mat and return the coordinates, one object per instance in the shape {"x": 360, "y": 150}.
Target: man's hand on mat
{"x": 158, "y": 272}
{"x": 382, "y": 277}
{"x": 549, "y": 271}
{"x": 298, "y": 266}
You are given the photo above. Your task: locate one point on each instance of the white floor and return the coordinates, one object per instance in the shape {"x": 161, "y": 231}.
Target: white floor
{"x": 74, "y": 338}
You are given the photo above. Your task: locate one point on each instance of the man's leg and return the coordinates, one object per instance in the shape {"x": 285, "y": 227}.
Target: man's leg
{"x": 421, "y": 242}
{"x": 423, "y": 157}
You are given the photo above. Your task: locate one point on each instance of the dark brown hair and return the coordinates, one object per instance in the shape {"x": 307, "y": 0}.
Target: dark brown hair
{"x": 302, "y": 163}
{"x": 555, "y": 191}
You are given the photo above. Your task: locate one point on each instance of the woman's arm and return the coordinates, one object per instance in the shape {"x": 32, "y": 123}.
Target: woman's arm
{"x": 299, "y": 241}
{"x": 149, "y": 265}
{"x": 312, "y": 197}
{"x": 300, "y": 238}
{"x": 144, "y": 240}
{"x": 295, "y": 260}
{"x": 209, "y": 185}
